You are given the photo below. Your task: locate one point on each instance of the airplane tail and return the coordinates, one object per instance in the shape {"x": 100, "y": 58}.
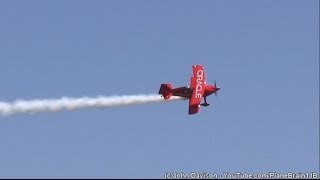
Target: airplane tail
{"x": 166, "y": 90}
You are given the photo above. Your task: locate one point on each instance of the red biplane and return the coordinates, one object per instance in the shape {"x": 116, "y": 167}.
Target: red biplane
{"x": 197, "y": 90}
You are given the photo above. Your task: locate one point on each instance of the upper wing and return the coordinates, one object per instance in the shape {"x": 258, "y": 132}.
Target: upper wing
{"x": 196, "y": 69}
{"x": 198, "y": 81}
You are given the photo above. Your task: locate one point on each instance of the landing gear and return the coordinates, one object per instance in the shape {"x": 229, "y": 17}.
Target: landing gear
{"x": 205, "y": 102}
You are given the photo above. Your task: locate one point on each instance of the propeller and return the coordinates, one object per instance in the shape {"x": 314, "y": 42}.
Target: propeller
{"x": 215, "y": 85}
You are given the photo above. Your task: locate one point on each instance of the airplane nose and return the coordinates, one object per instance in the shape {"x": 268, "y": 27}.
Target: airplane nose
{"x": 218, "y": 88}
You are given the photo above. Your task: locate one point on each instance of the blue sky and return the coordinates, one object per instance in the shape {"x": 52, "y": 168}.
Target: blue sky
{"x": 263, "y": 54}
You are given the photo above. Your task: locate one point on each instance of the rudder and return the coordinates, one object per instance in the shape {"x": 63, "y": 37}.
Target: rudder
{"x": 166, "y": 90}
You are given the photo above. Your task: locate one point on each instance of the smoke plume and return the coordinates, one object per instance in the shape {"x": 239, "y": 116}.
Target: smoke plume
{"x": 68, "y": 103}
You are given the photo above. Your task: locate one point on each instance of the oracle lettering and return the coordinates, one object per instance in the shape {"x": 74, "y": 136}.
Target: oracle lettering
{"x": 199, "y": 86}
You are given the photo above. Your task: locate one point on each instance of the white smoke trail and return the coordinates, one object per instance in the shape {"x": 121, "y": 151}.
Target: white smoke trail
{"x": 67, "y": 103}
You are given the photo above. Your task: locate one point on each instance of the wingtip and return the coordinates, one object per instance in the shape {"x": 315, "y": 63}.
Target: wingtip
{"x": 197, "y": 65}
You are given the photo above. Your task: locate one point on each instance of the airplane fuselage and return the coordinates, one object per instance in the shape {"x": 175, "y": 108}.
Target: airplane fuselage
{"x": 186, "y": 91}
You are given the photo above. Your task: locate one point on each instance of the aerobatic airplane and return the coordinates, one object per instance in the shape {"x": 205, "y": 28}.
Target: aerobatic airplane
{"x": 197, "y": 90}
